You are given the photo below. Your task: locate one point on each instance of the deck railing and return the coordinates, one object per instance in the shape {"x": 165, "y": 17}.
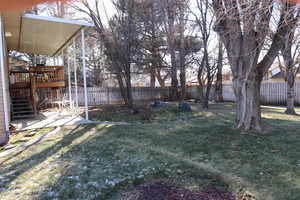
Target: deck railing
{"x": 25, "y": 83}
{"x": 19, "y": 79}
{"x": 46, "y": 74}
{"x": 42, "y": 74}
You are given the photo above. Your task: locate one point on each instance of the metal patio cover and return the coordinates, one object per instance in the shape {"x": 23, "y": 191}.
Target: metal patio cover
{"x": 42, "y": 35}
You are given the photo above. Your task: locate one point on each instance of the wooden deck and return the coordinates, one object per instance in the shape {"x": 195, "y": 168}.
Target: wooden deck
{"x": 24, "y": 84}
{"x": 44, "y": 77}
{"x": 56, "y": 84}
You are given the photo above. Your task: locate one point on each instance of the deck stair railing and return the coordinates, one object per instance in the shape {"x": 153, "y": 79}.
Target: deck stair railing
{"x": 25, "y": 83}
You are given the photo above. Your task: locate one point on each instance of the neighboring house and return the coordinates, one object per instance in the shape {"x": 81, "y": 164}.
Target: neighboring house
{"x": 227, "y": 78}
{"x": 192, "y": 83}
{"x": 275, "y": 75}
{"x": 32, "y": 34}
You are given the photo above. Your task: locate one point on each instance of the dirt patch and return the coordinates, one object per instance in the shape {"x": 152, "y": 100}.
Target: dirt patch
{"x": 162, "y": 191}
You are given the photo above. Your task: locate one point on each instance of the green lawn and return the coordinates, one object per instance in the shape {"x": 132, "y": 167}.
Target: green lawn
{"x": 194, "y": 150}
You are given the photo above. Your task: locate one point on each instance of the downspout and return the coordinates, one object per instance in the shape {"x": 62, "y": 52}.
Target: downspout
{"x": 5, "y": 97}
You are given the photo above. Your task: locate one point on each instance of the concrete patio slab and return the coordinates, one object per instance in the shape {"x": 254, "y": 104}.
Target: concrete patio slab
{"x": 55, "y": 119}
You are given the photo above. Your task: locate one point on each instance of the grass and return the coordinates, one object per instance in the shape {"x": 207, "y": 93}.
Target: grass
{"x": 121, "y": 113}
{"x": 23, "y": 137}
{"x": 195, "y": 150}
{"x": 114, "y": 113}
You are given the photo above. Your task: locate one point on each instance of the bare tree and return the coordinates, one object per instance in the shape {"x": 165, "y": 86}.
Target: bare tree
{"x": 56, "y": 9}
{"x": 119, "y": 38}
{"x": 183, "y": 7}
{"x": 151, "y": 17}
{"x": 243, "y": 27}
{"x": 170, "y": 9}
{"x": 95, "y": 59}
{"x": 291, "y": 67}
{"x": 219, "y": 78}
{"x": 207, "y": 64}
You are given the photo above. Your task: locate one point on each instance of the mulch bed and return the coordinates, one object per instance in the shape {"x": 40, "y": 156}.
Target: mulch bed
{"x": 161, "y": 191}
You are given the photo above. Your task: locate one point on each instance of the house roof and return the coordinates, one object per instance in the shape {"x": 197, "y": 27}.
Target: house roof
{"x": 35, "y": 34}
{"x": 278, "y": 75}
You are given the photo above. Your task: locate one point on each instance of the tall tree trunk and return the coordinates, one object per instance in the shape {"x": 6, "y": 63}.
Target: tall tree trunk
{"x": 199, "y": 77}
{"x": 174, "y": 80}
{"x": 182, "y": 79}
{"x": 244, "y": 45}
{"x": 206, "y": 94}
{"x": 128, "y": 86}
{"x": 152, "y": 77}
{"x": 290, "y": 101}
{"x": 160, "y": 79}
{"x": 248, "y": 109}
{"x": 201, "y": 93}
{"x": 182, "y": 54}
{"x": 122, "y": 88}
{"x": 219, "y": 82}
{"x": 152, "y": 80}
{"x": 171, "y": 47}
{"x": 205, "y": 98}
{"x": 289, "y": 75}
{"x": 207, "y": 86}
{"x": 154, "y": 52}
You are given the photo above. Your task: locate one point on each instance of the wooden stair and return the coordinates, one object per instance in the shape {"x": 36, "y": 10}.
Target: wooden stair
{"x": 22, "y": 108}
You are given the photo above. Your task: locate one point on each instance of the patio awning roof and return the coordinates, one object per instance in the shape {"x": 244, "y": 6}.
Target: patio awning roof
{"x": 34, "y": 34}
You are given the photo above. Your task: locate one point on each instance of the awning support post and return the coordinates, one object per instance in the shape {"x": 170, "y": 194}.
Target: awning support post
{"x": 4, "y": 84}
{"x": 84, "y": 75}
{"x": 69, "y": 82}
{"x": 62, "y": 58}
{"x": 75, "y": 76}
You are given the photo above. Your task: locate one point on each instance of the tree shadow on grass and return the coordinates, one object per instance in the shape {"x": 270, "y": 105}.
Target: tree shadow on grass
{"x": 104, "y": 161}
{"x": 14, "y": 171}
{"x": 24, "y": 146}
{"x": 112, "y": 162}
{"x": 274, "y": 109}
{"x": 267, "y": 161}
{"x": 229, "y": 154}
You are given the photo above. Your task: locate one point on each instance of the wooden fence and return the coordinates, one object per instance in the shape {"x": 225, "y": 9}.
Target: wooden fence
{"x": 271, "y": 93}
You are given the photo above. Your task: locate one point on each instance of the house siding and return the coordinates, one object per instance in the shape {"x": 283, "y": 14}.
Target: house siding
{"x": 4, "y": 89}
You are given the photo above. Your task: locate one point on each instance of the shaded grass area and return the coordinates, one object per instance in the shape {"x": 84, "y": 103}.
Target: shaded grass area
{"x": 114, "y": 113}
{"x": 195, "y": 150}
{"x": 121, "y": 113}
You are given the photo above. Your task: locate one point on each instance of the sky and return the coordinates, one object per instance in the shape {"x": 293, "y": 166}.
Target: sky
{"x": 105, "y": 5}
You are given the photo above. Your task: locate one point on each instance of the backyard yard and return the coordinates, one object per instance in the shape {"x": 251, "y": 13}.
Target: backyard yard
{"x": 188, "y": 153}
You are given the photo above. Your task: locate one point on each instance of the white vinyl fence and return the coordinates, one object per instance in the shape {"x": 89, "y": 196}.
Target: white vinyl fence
{"x": 271, "y": 93}
{"x": 98, "y": 96}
